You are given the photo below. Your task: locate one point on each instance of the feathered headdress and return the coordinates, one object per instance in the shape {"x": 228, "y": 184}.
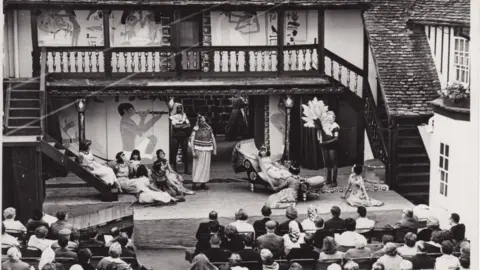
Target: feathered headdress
{"x": 316, "y": 109}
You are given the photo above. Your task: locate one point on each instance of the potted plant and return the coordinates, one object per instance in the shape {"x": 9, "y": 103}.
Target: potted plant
{"x": 456, "y": 95}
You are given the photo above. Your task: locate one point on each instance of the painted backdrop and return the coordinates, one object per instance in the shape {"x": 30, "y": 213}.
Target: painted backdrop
{"x": 103, "y": 127}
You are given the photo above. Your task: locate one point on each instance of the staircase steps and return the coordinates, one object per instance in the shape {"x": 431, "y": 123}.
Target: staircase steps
{"x": 24, "y": 113}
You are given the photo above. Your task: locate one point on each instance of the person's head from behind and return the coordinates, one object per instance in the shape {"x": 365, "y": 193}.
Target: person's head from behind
{"x": 386, "y": 238}
{"x": 14, "y": 254}
{"x": 350, "y": 224}
{"x": 37, "y": 214}
{"x": 421, "y": 247}
{"x": 296, "y": 266}
{"x": 362, "y": 211}
{"x": 92, "y": 233}
{"x": 214, "y": 226}
{"x": 126, "y": 109}
{"x": 351, "y": 265}
{"x": 84, "y": 255}
{"x": 329, "y": 245}
{"x": 406, "y": 265}
{"x": 360, "y": 243}
{"x": 312, "y": 212}
{"x": 293, "y": 228}
{"x": 85, "y": 145}
{"x": 291, "y": 213}
{"x": 230, "y": 231}
{"x": 135, "y": 155}
{"x": 63, "y": 241}
{"x": 201, "y": 260}
{"x": 213, "y": 215}
{"x": 62, "y": 215}
{"x": 215, "y": 241}
{"x": 447, "y": 247}
{"x": 319, "y": 223}
{"x": 391, "y": 249}
{"x": 115, "y": 250}
{"x": 410, "y": 239}
{"x": 241, "y": 214}
{"x": 142, "y": 171}
{"x": 464, "y": 262}
{"x": 9, "y": 213}
{"x": 454, "y": 219}
{"x": 267, "y": 257}
{"x": 234, "y": 260}
{"x": 334, "y": 266}
{"x": 120, "y": 157}
{"x": 266, "y": 211}
{"x": 248, "y": 240}
{"x": 357, "y": 169}
{"x": 41, "y": 232}
{"x": 378, "y": 266}
{"x": 437, "y": 237}
{"x": 447, "y": 235}
{"x": 465, "y": 248}
{"x": 115, "y": 231}
{"x": 270, "y": 226}
{"x": 122, "y": 240}
{"x": 407, "y": 213}
{"x": 335, "y": 211}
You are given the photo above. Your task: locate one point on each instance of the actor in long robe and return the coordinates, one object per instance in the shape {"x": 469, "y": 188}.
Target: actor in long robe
{"x": 203, "y": 145}
{"x": 237, "y": 125}
{"x": 181, "y": 130}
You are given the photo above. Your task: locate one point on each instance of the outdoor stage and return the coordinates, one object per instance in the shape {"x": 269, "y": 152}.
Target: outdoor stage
{"x": 175, "y": 226}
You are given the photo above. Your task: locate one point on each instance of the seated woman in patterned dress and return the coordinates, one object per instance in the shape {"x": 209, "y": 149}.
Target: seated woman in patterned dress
{"x": 148, "y": 193}
{"x": 173, "y": 178}
{"x": 135, "y": 159}
{"x": 124, "y": 171}
{"x": 359, "y": 195}
{"x": 274, "y": 170}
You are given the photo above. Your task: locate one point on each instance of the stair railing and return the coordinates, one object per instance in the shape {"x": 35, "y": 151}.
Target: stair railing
{"x": 43, "y": 101}
{"x": 6, "y": 110}
{"x": 352, "y": 77}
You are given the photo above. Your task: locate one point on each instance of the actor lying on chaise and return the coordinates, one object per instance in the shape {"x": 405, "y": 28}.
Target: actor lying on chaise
{"x": 148, "y": 193}
{"x": 273, "y": 169}
{"x": 167, "y": 178}
{"x": 87, "y": 160}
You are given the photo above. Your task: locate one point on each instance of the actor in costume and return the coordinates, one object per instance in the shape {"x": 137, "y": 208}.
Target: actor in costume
{"x": 148, "y": 193}
{"x": 286, "y": 188}
{"x": 181, "y": 130}
{"x": 273, "y": 169}
{"x": 238, "y": 124}
{"x": 359, "y": 196}
{"x": 135, "y": 159}
{"x": 87, "y": 160}
{"x": 123, "y": 170}
{"x": 203, "y": 144}
{"x": 173, "y": 178}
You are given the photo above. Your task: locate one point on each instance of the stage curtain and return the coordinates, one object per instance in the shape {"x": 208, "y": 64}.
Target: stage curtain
{"x": 259, "y": 121}
{"x": 296, "y": 129}
{"x": 310, "y": 151}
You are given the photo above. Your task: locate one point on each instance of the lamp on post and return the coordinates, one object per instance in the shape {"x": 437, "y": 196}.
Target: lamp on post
{"x": 80, "y": 105}
{"x": 288, "y": 105}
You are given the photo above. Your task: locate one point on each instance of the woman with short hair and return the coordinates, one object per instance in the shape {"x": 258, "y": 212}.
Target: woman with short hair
{"x": 329, "y": 250}
{"x": 124, "y": 171}
{"x": 391, "y": 260}
{"x": 113, "y": 261}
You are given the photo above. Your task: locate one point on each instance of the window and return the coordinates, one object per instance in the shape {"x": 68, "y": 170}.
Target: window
{"x": 443, "y": 165}
{"x": 461, "y": 60}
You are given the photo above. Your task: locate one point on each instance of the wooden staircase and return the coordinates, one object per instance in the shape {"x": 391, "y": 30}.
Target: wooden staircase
{"x": 22, "y": 108}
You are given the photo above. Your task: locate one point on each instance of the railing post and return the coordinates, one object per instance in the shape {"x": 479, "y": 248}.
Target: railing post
{"x": 107, "y": 52}
{"x": 43, "y": 100}
{"x": 321, "y": 42}
{"x": 280, "y": 40}
{"x": 176, "y": 42}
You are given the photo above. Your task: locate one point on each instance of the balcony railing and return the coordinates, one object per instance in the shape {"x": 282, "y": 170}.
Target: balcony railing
{"x": 191, "y": 61}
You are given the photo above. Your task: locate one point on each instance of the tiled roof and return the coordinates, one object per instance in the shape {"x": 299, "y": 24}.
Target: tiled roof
{"x": 404, "y": 63}
{"x": 450, "y": 12}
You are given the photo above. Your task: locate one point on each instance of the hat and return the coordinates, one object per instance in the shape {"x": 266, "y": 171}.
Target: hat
{"x": 65, "y": 232}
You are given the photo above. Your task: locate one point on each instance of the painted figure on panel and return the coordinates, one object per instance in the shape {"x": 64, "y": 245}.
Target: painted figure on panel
{"x": 203, "y": 144}
{"x": 139, "y": 27}
{"x": 181, "y": 130}
{"x": 54, "y": 22}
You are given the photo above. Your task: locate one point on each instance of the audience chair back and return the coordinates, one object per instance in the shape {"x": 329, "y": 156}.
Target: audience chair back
{"x": 365, "y": 263}
{"x": 378, "y": 232}
{"x": 305, "y": 263}
{"x": 98, "y": 251}
{"x": 368, "y": 235}
{"x": 32, "y": 261}
{"x": 67, "y": 262}
{"x": 401, "y": 232}
{"x": 31, "y": 252}
{"x": 323, "y": 265}
{"x": 252, "y": 265}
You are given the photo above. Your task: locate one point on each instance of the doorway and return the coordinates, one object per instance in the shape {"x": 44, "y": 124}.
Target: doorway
{"x": 190, "y": 37}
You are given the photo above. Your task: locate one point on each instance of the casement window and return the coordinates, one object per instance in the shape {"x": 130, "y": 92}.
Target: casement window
{"x": 461, "y": 60}
{"x": 443, "y": 168}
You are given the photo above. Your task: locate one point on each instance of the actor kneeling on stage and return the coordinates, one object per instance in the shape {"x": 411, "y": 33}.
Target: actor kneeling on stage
{"x": 181, "y": 130}
{"x": 203, "y": 144}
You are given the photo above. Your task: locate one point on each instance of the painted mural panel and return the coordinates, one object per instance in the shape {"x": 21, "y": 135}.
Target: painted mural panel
{"x": 111, "y": 132}
{"x": 70, "y": 28}
{"x": 135, "y": 28}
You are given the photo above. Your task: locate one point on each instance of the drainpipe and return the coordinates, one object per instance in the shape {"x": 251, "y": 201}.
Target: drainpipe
{"x": 15, "y": 44}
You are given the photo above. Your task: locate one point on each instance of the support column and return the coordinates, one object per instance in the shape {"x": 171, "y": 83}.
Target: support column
{"x": 80, "y": 105}
{"x": 288, "y": 105}
{"x": 321, "y": 42}
{"x": 280, "y": 40}
{"x": 267, "y": 122}
{"x": 35, "y": 48}
{"x": 106, "y": 43}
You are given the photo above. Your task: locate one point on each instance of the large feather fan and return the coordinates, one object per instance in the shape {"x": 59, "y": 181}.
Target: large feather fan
{"x": 316, "y": 109}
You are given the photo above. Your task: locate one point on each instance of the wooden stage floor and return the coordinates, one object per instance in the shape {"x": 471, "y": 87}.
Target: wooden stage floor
{"x": 175, "y": 226}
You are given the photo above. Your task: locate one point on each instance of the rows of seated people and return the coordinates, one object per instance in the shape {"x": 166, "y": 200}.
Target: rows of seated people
{"x": 47, "y": 245}
{"x": 318, "y": 244}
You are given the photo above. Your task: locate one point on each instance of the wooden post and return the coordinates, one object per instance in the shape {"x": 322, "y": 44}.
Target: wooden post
{"x": 361, "y": 113}
{"x": 176, "y": 42}
{"x": 280, "y": 40}
{"x": 321, "y": 42}
{"x": 80, "y": 105}
{"x": 107, "y": 53}
{"x": 35, "y": 48}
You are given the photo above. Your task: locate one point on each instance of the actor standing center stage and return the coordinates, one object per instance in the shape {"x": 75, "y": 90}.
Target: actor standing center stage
{"x": 203, "y": 144}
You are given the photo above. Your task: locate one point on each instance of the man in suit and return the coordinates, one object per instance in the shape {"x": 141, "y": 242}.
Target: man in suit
{"x": 215, "y": 253}
{"x": 205, "y": 227}
{"x": 65, "y": 234}
{"x": 291, "y": 214}
{"x": 60, "y": 224}
{"x": 457, "y": 229}
{"x": 259, "y": 225}
{"x": 248, "y": 254}
{"x": 408, "y": 220}
{"x": 335, "y": 223}
{"x": 306, "y": 250}
{"x": 421, "y": 260}
{"x": 270, "y": 240}
{"x": 320, "y": 234}
{"x": 92, "y": 241}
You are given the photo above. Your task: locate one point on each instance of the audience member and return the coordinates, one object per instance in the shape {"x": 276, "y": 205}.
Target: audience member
{"x": 36, "y": 221}
{"x": 351, "y": 265}
{"x": 203, "y": 242}
{"x": 433, "y": 224}
{"x": 379, "y": 251}
{"x": 84, "y": 257}
{"x": 329, "y": 250}
{"x": 334, "y": 266}
{"x": 60, "y": 224}
{"x": 447, "y": 260}
{"x": 216, "y": 253}
{"x": 248, "y": 254}
{"x": 113, "y": 261}
{"x": 296, "y": 266}
{"x": 350, "y": 237}
{"x": 7, "y": 239}
{"x": 363, "y": 223}
{"x": 309, "y": 223}
{"x": 291, "y": 214}
{"x": 271, "y": 241}
{"x": 320, "y": 234}
{"x": 10, "y": 223}
{"x": 391, "y": 260}
{"x": 305, "y": 251}
{"x": 205, "y": 227}
{"x": 464, "y": 249}
{"x": 232, "y": 240}
{"x": 234, "y": 263}
{"x": 406, "y": 265}
{"x": 268, "y": 262}
{"x": 464, "y": 263}
{"x": 201, "y": 262}
{"x": 92, "y": 234}
{"x": 457, "y": 229}
{"x": 378, "y": 266}
{"x": 65, "y": 233}
{"x": 408, "y": 220}
{"x": 259, "y": 225}
{"x": 74, "y": 267}
{"x": 360, "y": 251}
{"x": 126, "y": 252}
{"x": 240, "y": 222}
{"x": 294, "y": 237}
{"x": 14, "y": 261}
{"x": 48, "y": 256}
{"x": 335, "y": 223}
{"x": 421, "y": 259}
{"x": 38, "y": 240}
{"x": 434, "y": 245}
{"x": 408, "y": 249}
{"x": 62, "y": 251}
{"x": 114, "y": 234}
